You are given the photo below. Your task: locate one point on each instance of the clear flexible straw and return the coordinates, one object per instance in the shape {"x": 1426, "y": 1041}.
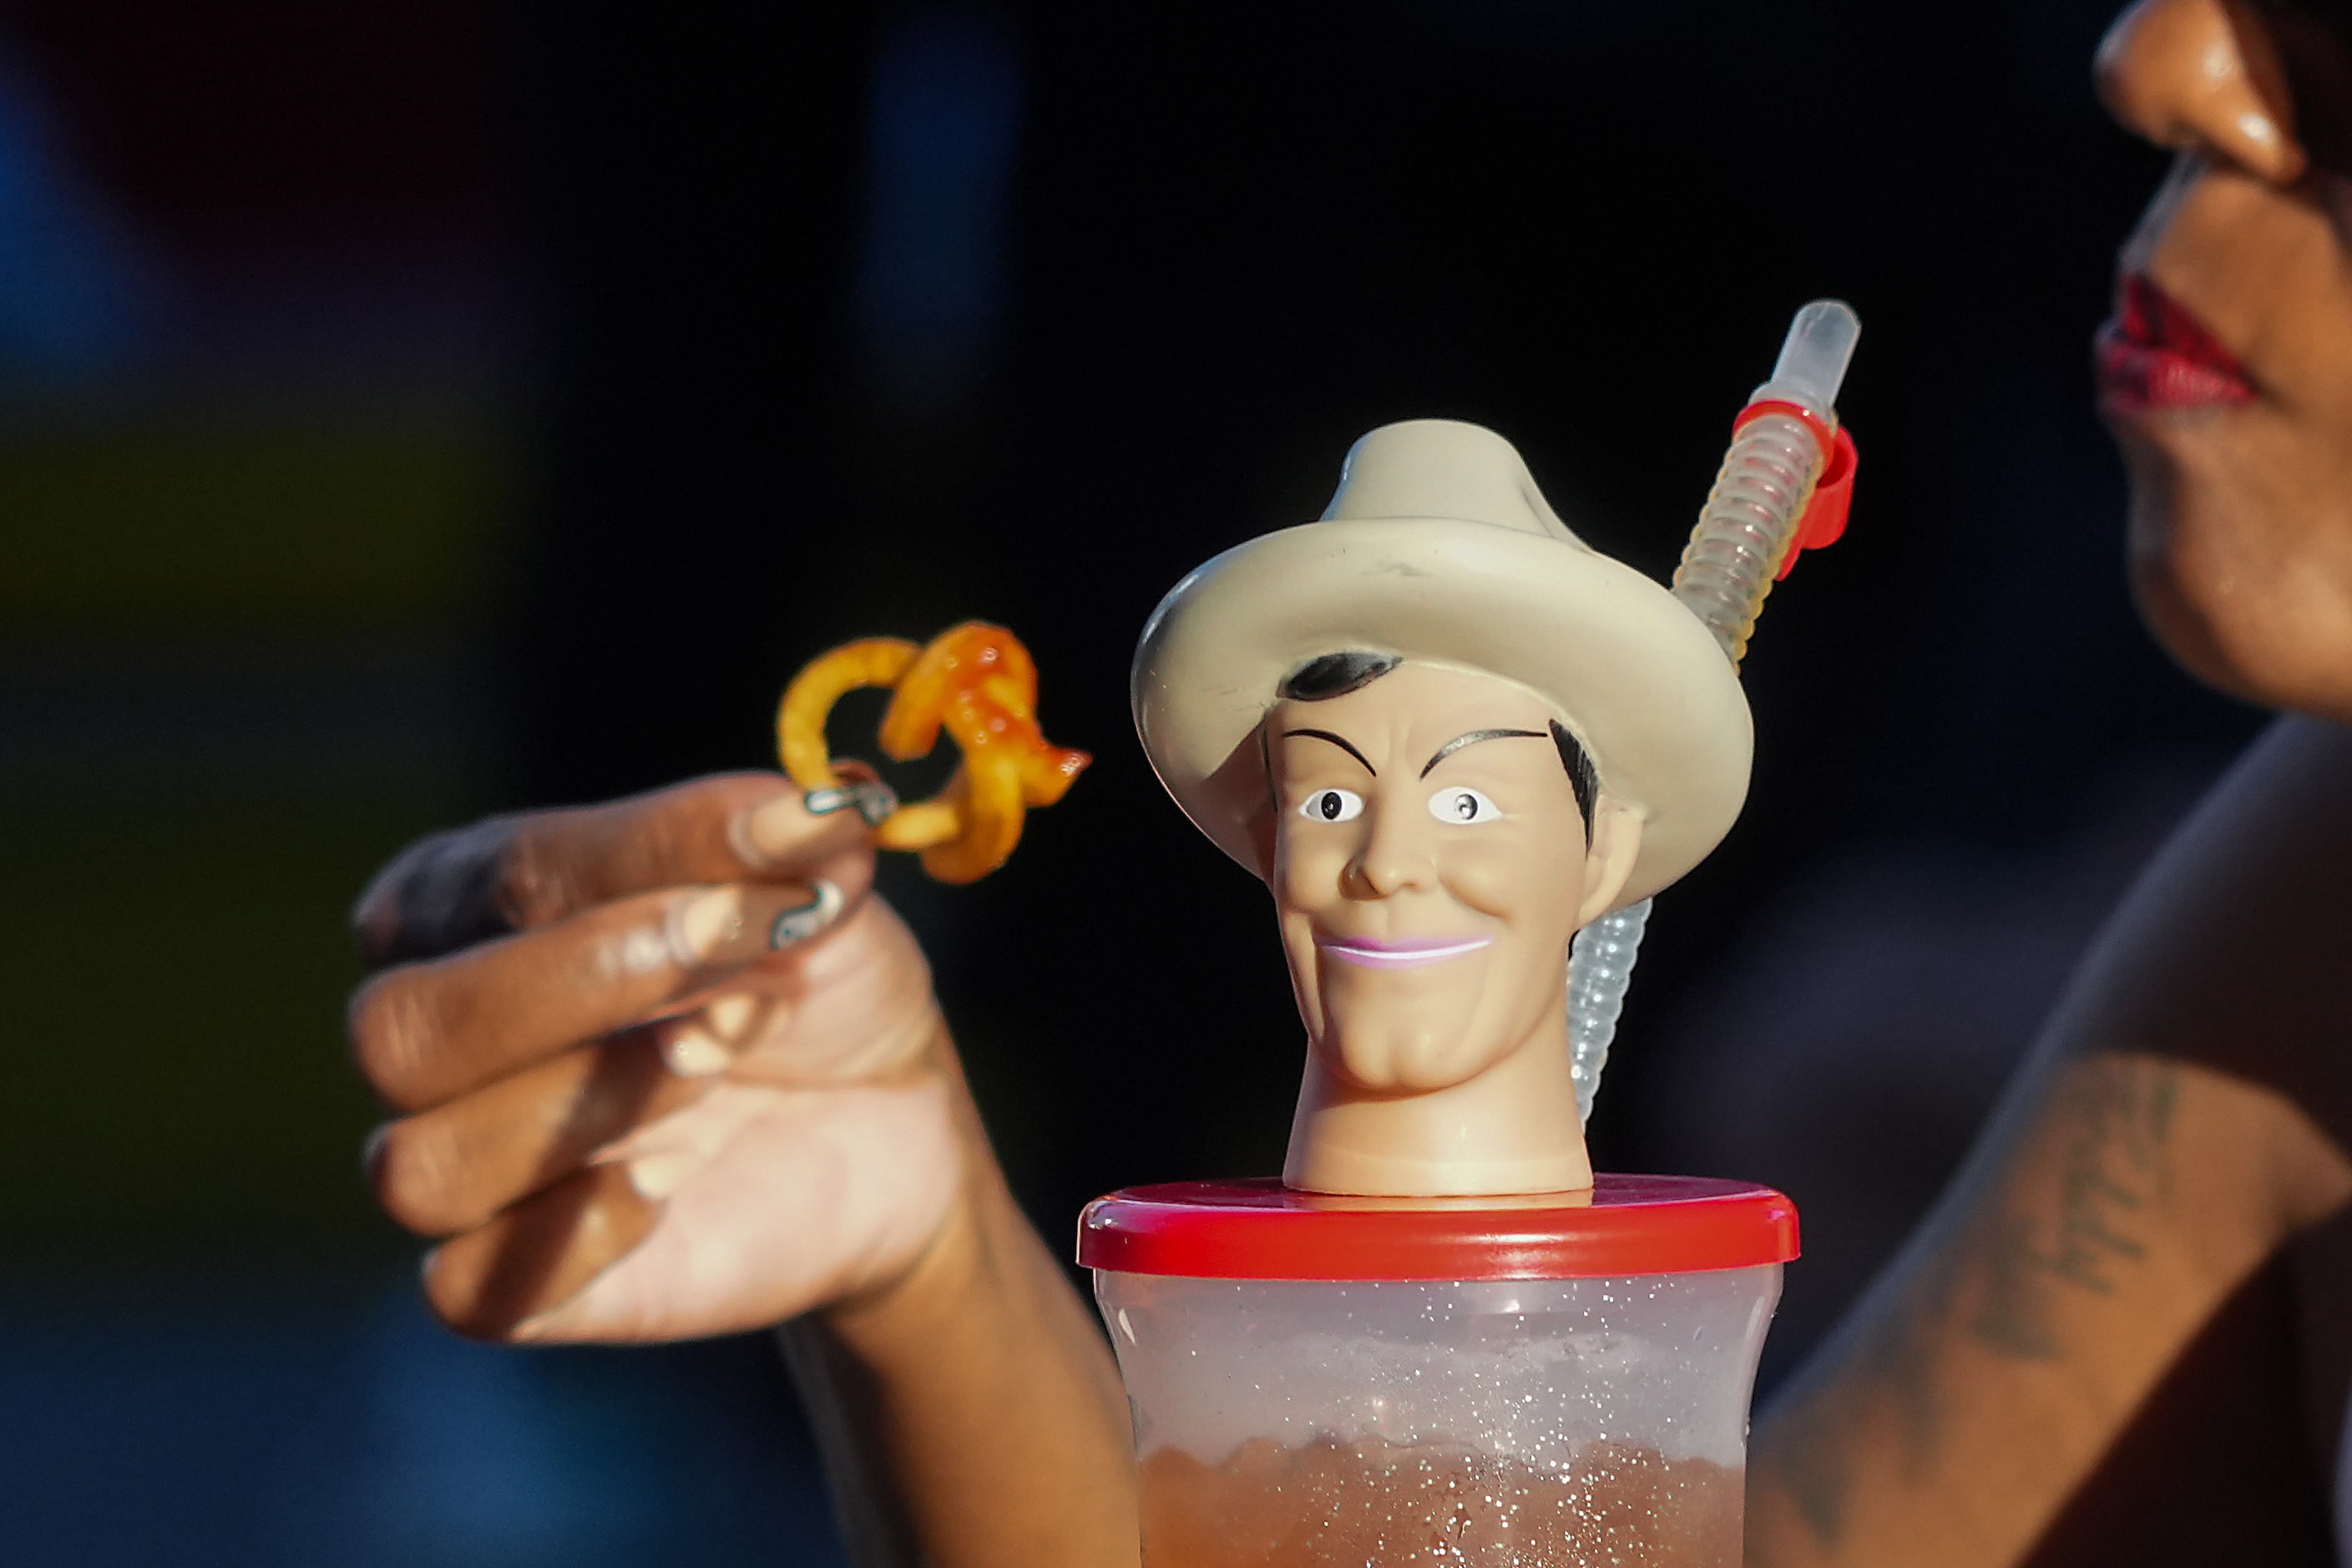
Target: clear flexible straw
{"x": 1600, "y": 966}
{"x": 1745, "y": 531}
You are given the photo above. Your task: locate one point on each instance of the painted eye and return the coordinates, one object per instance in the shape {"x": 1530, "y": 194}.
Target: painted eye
{"x": 1464, "y": 805}
{"x": 1332, "y": 806}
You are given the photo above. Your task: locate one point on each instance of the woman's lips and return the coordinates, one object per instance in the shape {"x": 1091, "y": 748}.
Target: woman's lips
{"x": 1400, "y": 953}
{"x": 2152, "y": 355}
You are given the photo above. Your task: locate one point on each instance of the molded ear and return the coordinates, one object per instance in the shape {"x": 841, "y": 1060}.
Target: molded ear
{"x": 1609, "y": 859}
{"x": 1246, "y": 775}
{"x": 1262, "y": 830}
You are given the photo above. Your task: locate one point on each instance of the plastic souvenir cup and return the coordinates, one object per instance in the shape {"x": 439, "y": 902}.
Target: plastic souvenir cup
{"x": 1560, "y": 1378}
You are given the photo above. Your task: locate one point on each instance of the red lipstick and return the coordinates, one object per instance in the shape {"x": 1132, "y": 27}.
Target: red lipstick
{"x": 2153, "y": 355}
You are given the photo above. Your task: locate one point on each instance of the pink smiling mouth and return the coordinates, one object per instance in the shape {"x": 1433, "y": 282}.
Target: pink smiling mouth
{"x": 1405, "y": 953}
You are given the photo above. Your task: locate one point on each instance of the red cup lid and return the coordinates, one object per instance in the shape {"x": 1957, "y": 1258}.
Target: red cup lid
{"x": 1263, "y": 1230}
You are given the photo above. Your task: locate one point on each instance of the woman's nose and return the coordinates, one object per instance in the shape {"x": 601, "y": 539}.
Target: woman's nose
{"x": 1393, "y": 857}
{"x": 2191, "y": 74}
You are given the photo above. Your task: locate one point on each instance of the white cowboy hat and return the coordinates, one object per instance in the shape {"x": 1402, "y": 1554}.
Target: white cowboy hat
{"x": 1438, "y": 547}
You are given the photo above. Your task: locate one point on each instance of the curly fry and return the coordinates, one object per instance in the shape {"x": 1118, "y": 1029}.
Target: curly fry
{"x": 822, "y": 682}
{"x": 975, "y": 655}
{"x": 978, "y": 683}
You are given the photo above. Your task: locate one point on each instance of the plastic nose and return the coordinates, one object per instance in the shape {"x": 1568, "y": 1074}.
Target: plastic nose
{"x": 1391, "y": 859}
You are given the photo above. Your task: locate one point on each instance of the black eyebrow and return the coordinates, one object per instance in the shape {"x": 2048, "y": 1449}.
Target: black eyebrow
{"x": 1339, "y": 741}
{"x": 1474, "y": 737}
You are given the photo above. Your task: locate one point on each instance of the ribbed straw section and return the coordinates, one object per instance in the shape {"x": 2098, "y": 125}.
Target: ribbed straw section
{"x": 1746, "y": 528}
{"x": 1745, "y": 531}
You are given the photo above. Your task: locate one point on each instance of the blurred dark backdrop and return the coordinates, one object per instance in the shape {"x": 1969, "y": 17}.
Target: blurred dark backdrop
{"x": 413, "y": 411}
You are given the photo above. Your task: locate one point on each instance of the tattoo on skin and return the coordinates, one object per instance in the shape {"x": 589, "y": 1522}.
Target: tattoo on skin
{"x": 2110, "y": 1120}
{"x": 2113, "y": 1167}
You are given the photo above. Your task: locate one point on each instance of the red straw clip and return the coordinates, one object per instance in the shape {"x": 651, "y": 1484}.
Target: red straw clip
{"x": 1824, "y": 519}
{"x": 1825, "y": 514}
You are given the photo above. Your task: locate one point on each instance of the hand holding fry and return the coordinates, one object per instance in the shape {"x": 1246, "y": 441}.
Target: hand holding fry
{"x": 662, "y": 1067}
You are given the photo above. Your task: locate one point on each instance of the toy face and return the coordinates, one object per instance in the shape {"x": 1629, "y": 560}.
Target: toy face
{"x": 2227, "y": 372}
{"x": 1429, "y": 864}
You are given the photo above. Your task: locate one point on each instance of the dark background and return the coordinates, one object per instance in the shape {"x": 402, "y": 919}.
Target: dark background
{"x": 409, "y": 411}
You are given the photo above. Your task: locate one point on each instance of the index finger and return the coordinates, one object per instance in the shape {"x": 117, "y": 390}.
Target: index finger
{"x": 507, "y": 874}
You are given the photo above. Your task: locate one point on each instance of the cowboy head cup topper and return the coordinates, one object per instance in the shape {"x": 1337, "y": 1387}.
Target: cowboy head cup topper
{"x": 1447, "y": 735}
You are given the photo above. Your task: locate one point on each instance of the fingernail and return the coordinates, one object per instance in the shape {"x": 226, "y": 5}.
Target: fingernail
{"x": 371, "y": 1152}
{"x": 701, "y": 923}
{"x": 656, "y": 1176}
{"x": 831, "y": 798}
{"x": 799, "y": 924}
{"x": 692, "y": 1052}
{"x": 776, "y": 830}
{"x": 729, "y": 1015}
{"x": 871, "y": 798}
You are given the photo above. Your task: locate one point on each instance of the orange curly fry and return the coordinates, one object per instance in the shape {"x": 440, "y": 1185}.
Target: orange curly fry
{"x": 978, "y": 683}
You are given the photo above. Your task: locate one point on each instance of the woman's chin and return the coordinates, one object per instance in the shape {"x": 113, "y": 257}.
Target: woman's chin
{"x": 2285, "y": 644}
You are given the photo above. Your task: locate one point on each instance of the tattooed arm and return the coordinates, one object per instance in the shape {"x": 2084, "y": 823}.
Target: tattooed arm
{"x": 2185, "y": 1116}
